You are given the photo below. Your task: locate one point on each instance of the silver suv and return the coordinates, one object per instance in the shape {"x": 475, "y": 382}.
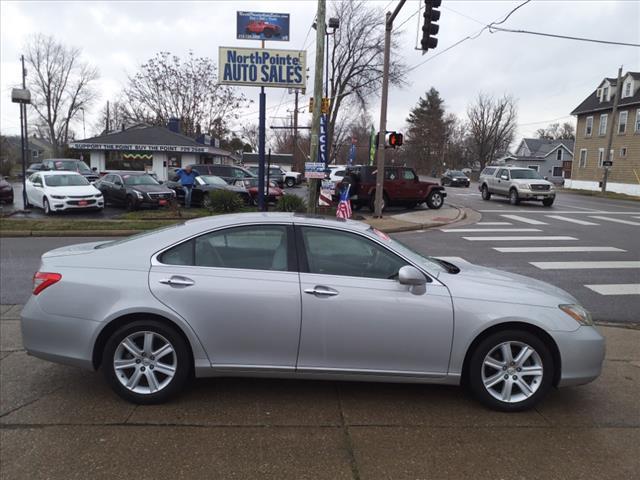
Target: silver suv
{"x": 516, "y": 183}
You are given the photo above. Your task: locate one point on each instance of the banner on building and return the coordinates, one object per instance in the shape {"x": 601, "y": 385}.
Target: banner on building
{"x": 322, "y": 140}
{"x": 262, "y": 67}
{"x": 262, "y": 26}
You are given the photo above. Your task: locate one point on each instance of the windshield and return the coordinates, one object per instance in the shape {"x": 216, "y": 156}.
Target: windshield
{"x": 525, "y": 173}
{"x": 456, "y": 173}
{"x": 212, "y": 180}
{"x": 139, "y": 180}
{"x": 65, "y": 180}
{"x": 73, "y": 165}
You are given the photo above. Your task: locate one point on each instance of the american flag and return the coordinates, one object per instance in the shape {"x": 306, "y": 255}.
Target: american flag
{"x": 344, "y": 207}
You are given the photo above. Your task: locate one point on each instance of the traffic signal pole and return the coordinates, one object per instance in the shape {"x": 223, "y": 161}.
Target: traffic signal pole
{"x": 383, "y": 110}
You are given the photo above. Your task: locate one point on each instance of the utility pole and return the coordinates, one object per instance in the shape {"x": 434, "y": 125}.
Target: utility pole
{"x": 296, "y": 167}
{"x": 25, "y": 136}
{"x": 383, "y": 109}
{"x": 317, "y": 100}
{"x": 107, "y": 125}
{"x": 608, "y": 155}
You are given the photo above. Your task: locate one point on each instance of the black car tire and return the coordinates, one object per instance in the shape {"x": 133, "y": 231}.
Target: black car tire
{"x": 476, "y": 365}
{"x": 435, "y": 200}
{"x": 486, "y": 194}
{"x": 46, "y": 206}
{"x": 514, "y": 198}
{"x": 290, "y": 182}
{"x": 130, "y": 203}
{"x": 181, "y": 351}
{"x": 547, "y": 202}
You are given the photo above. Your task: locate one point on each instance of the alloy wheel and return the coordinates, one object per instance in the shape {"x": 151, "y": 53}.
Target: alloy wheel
{"x": 436, "y": 199}
{"x": 145, "y": 362}
{"x": 512, "y": 371}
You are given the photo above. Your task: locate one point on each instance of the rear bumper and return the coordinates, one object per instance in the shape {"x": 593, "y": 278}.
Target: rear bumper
{"x": 582, "y": 353}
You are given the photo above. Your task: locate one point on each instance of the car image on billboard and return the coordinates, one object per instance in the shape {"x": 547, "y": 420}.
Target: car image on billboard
{"x": 262, "y": 26}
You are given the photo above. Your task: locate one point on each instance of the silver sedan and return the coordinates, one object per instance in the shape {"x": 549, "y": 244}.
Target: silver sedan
{"x": 282, "y": 295}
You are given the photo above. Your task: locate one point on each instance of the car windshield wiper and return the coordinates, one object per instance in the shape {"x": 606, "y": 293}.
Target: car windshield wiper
{"x": 448, "y": 266}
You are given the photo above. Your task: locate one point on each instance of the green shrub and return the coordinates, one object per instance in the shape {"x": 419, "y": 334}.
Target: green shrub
{"x": 223, "y": 201}
{"x": 291, "y": 203}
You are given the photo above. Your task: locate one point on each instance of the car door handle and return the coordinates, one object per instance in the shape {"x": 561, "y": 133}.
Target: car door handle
{"x": 178, "y": 281}
{"x": 320, "y": 290}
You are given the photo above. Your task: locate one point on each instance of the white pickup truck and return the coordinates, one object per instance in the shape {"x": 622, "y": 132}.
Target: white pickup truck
{"x": 516, "y": 183}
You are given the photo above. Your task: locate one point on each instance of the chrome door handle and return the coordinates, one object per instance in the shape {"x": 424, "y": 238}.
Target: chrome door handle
{"x": 178, "y": 281}
{"x": 320, "y": 290}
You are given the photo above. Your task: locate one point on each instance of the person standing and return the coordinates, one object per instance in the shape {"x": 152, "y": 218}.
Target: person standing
{"x": 187, "y": 177}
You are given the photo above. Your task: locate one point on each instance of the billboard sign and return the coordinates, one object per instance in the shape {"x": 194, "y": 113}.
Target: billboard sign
{"x": 262, "y": 26}
{"x": 255, "y": 67}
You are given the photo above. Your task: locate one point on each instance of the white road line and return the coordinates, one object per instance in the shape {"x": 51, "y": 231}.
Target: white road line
{"x": 617, "y": 220}
{"x": 583, "y": 265}
{"x": 453, "y": 260}
{"x": 469, "y": 230}
{"x": 572, "y": 220}
{"x": 524, "y": 219}
{"x": 616, "y": 288}
{"x": 498, "y": 223}
{"x": 545, "y": 211}
{"x": 556, "y": 249}
{"x": 593, "y": 210}
{"x": 498, "y": 239}
{"x": 636, "y": 217}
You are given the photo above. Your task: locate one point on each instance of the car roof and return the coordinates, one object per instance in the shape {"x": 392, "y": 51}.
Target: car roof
{"x": 126, "y": 172}
{"x": 277, "y": 217}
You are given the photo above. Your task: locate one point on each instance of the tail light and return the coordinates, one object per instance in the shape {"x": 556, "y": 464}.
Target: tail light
{"x": 42, "y": 280}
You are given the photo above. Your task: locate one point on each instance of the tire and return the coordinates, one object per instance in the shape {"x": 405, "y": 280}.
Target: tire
{"x": 46, "y": 207}
{"x": 144, "y": 367}
{"x": 268, "y": 33}
{"x": 486, "y": 194}
{"x": 498, "y": 396}
{"x": 547, "y": 202}
{"x": 27, "y": 204}
{"x": 130, "y": 203}
{"x": 290, "y": 182}
{"x": 435, "y": 200}
{"x": 514, "y": 199}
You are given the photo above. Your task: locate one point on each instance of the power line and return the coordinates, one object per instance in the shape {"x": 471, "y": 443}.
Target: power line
{"x": 581, "y": 39}
{"x": 510, "y": 13}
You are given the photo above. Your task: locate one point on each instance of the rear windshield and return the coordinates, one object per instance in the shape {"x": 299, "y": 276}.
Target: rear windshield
{"x": 65, "y": 180}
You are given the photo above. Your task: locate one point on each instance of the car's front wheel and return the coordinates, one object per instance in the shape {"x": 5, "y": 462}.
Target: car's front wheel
{"x": 435, "y": 199}
{"x": 146, "y": 362}
{"x": 511, "y": 370}
{"x": 290, "y": 182}
{"x": 547, "y": 202}
{"x": 46, "y": 206}
{"x": 514, "y": 198}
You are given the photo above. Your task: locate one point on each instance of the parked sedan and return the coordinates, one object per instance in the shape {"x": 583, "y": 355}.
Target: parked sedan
{"x": 60, "y": 191}
{"x": 455, "y": 178}
{"x": 70, "y": 165}
{"x": 256, "y": 294}
{"x": 251, "y": 185}
{"x": 134, "y": 190}
{"x": 204, "y": 185}
{"x": 33, "y": 168}
{"x": 6, "y": 191}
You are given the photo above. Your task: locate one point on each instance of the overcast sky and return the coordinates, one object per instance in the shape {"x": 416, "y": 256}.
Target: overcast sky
{"x": 549, "y": 77}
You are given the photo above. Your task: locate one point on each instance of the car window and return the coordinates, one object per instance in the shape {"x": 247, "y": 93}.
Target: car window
{"x": 139, "y": 180}
{"x": 488, "y": 171}
{"x": 408, "y": 174}
{"x": 238, "y": 173}
{"x": 332, "y": 252}
{"x": 35, "y": 178}
{"x": 339, "y": 173}
{"x": 65, "y": 181}
{"x": 390, "y": 174}
{"x": 503, "y": 171}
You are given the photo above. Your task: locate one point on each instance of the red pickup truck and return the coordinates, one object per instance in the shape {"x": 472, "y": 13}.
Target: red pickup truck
{"x": 266, "y": 28}
{"x": 401, "y": 187}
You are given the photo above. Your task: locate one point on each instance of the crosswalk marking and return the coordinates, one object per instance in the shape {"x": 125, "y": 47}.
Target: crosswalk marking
{"x": 496, "y": 223}
{"x": 583, "y": 265}
{"x": 571, "y": 220}
{"x": 616, "y": 288}
{"x": 453, "y": 260}
{"x": 524, "y": 219}
{"x": 556, "y": 249}
{"x": 545, "y": 211}
{"x": 498, "y": 239}
{"x": 469, "y": 230}
{"x": 617, "y": 220}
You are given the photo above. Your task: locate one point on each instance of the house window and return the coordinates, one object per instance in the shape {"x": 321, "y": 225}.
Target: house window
{"x": 35, "y": 153}
{"x": 557, "y": 171}
{"x": 627, "y": 89}
{"x": 583, "y": 158}
{"x": 588, "y": 129}
{"x": 533, "y": 167}
{"x": 638, "y": 120}
{"x": 622, "y": 122}
{"x": 602, "y": 130}
{"x": 600, "y": 157}
{"x": 605, "y": 94}
{"x": 559, "y": 154}
{"x": 623, "y": 152}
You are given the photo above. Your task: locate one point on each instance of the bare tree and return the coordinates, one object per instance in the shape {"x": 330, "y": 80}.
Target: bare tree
{"x": 167, "y": 87}
{"x": 61, "y": 85}
{"x": 555, "y": 131}
{"x": 111, "y": 118}
{"x": 250, "y": 135}
{"x": 356, "y": 58}
{"x": 492, "y": 125}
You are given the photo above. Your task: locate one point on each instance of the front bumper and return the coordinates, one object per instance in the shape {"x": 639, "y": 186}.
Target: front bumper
{"x": 581, "y": 355}
{"x": 60, "y": 205}
{"x": 536, "y": 194}
{"x": 460, "y": 183}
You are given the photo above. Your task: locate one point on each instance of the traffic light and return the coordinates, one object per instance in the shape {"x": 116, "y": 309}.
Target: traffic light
{"x": 430, "y": 29}
{"x": 393, "y": 140}
{"x": 311, "y": 105}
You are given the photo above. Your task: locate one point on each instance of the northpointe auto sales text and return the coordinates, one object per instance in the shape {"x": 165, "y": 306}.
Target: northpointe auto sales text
{"x": 262, "y": 66}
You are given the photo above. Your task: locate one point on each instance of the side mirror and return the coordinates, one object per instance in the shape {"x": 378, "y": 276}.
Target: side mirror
{"x": 409, "y": 275}
{"x": 504, "y": 177}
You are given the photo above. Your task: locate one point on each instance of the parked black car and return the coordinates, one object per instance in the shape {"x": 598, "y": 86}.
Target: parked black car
{"x": 33, "y": 168}
{"x": 455, "y": 178}
{"x": 133, "y": 190}
{"x": 227, "y": 172}
{"x": 206, "y": 184}
{"x": 72, "y": 165}
{"x": 6, "y": 191}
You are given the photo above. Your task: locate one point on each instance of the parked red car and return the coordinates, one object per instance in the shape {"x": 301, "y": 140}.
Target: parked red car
{"x": 251, "y": 184}
{"x": 266, "y": 28}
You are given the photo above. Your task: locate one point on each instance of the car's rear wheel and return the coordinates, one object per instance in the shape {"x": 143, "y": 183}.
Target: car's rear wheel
{"x": 514, "y": 198}
{"x": 435, "y": 199}
{"x": 290, "y": 182}
{"x": 146, "y": 362}
{"x": 511, "y": 370}
{"x": 547, "y": 202}
{"x": 486, "y": 194}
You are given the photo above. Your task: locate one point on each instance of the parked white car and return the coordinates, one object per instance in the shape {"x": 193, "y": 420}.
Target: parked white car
{"x": 57, "y": 191}
{"x": 337, "y": 173}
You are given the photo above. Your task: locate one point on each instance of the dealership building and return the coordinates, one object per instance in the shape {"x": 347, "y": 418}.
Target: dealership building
{"x": 149, "y": 148}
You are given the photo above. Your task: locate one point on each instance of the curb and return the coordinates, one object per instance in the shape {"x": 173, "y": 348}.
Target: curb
{"x": 424, "y": 226}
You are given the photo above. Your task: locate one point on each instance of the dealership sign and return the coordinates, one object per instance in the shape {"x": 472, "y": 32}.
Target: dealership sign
{"x": 138, "y": 148}
{"x": 262, "y": 26}
{"x": 262, "y": 67}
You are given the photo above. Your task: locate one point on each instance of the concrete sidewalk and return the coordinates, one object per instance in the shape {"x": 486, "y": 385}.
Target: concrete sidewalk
{"x": 59, "y": 422}
{"x": 394, "y": 221}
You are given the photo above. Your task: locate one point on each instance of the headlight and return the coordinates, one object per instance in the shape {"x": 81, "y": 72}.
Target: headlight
{"x": 58, "y": 197}
{"x": 525, "y": 186}
{"x": 139, "y": 194}
{"x": 578, "y": 313}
